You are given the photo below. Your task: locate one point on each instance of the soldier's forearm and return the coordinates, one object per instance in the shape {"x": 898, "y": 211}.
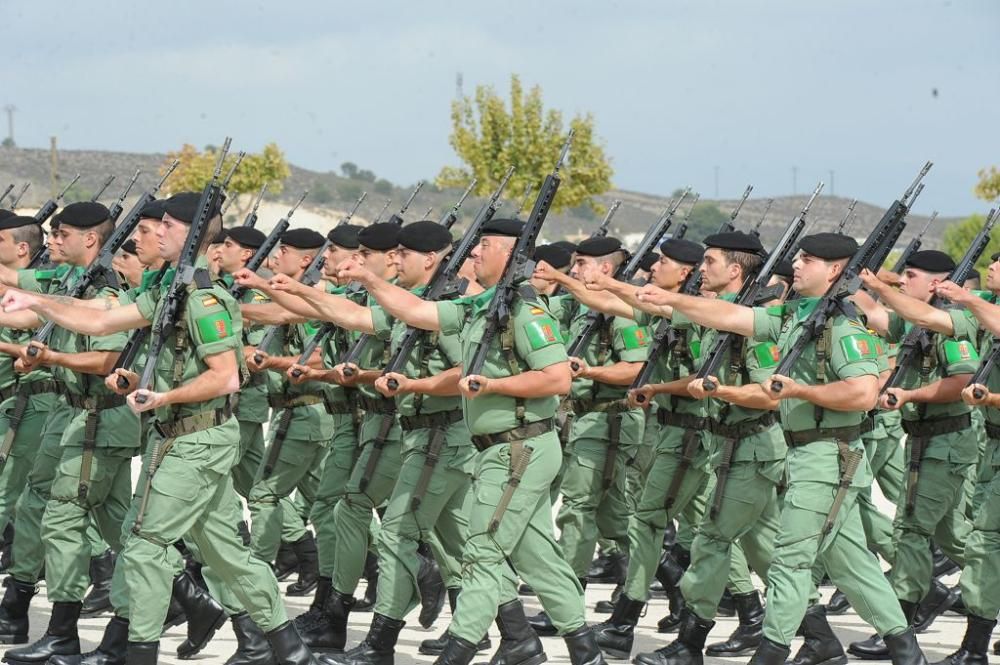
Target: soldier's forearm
{"x": 535, "y": 384}
{"x": 403, "y": 305}
{"x": 751, "y": 396}
{"x": 918, "y": 312}
{"x": 444, "y": 384}
{"x": 943, "y": 391}
{"x": 716, "y": 313}
{"x": 100, "y": 363}
{"x": 270, "y": 314}
{"x": 857, "y": 394}
{"x": 212, "y": 383}
{"x": 987, "y": 313}
{"x": 618, "y": 374}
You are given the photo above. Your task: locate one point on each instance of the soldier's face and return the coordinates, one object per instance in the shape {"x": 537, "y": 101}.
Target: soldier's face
{"x": 232, "y": 256}
{"x": 380, "y": 264}
{"x": 70, "y": 244}
{"x": 813, "y": 275}
{"x": 716, "y": 271}
{"x": 290, "y": 260}
{"x": 146, "y": 243}
{"x": 413, "y": 268}
{"x": 8, "y": 249}
{"x": 489, "y": 258}
{"x": 993, "y": 276}
{"x": 334, "y": 255}
{"x": 668, "y": 274}
{"x": 170, "y": 237}
{"x": 919, "y": 284}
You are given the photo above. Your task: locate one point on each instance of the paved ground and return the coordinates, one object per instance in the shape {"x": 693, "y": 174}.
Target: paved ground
{"x": 941, "y": 639}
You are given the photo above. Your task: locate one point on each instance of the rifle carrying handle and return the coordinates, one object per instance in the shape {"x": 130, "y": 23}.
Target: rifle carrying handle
{"x": 393, "y": 384}
{"x": 32, "y": 351}
{"x": 891, "y": 399}
{"x": 709, "y": 385}
{"x": 122, "y": 382}
{"x": 296, "y": 373}
{"x": 978, "y": 393}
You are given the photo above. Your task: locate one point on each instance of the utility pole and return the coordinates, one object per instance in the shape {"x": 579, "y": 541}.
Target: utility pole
{"x": 832, "y": 190}
{"x": 53, "y": 166}
{"x": 795, "y": 180}
{"x": 458, "y": 86}
{"x": 10, "y": 108}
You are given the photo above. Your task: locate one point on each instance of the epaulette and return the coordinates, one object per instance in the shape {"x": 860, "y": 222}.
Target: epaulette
{"x": 202, "y": 279}
{"x": 528, "y": 294}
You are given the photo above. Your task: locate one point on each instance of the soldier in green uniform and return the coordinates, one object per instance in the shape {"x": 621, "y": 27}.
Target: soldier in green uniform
{"x": 511, "y": 417}
{"x": 936, "y": 422}
{"x": 821, "y": 409}
{"x": 191, "y": 493}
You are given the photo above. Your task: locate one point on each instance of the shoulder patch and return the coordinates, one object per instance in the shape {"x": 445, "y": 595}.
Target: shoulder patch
{"x": 767, "y": 354}
{"x": 542, "y": 332}
{"x": 858, "y": 347}
{"x": 209, "y": 301}
{"x": 215, "y": 327}
{"x": 957, "y": 351}
{"x": 776, "y": 310}
{"x": 537, "y": 311}
{"x": 635, "y": 337}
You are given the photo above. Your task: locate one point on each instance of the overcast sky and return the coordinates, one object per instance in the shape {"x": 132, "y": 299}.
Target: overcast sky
{"x": 753, "y": 87}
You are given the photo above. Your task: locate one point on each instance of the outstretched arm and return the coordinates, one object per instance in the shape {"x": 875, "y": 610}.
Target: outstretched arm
{"x": 398, "y": 302}
{"x": 66, "y": 315}
{"x": 708, "y": 312}
{"x": 918, "y": 312}
{"x": 308, "y": 301}
{"x": 598, "y": 300}
{"x": 985, "y": 312}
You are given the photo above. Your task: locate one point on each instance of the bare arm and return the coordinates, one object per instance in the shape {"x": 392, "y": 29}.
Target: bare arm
{"x": 751, "y": 396}
{"x": 82, "y": 320}
{"x": 918, "y": 312}
{"x": 598, "y": 300}
{"x": 708, "y": 312}
{"x": 620, "y": 373}
{"x": 985, "y": 312}
{"x": 552, "y": 380}
{"x": 271, "y": 314}
{"x": 220, "y": 378}
{"x": 942, "y": 391}
{"x": 875, "y": 314}
{"x": 88, "y": 362}
{"x": 318, "y": 304}
{"x": 398, "y": 302}
{"x": 858, "y": 393}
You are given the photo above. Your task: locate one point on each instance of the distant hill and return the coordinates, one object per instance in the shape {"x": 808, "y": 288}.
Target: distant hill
{"x": 332, "y": 194}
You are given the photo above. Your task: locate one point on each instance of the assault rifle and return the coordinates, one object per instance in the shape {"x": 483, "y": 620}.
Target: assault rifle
{"x": 397, "y": 219}
{"x": 20, "y": 195}
{"x": 119, "y": 205}
{"x": 519, "y": 267}
{"x": 913, "y": 246}
{"x": 100, "y": 192}
{"x": 382, "y": 212}
{"x": 5, "y": 193}
{"x": 524, "y": 201}
{"x": 264, "y": 251}
{"x": 449, "y": 218}
{"x": 847, "y": 216}
{"x": 986, "y": 366}
{"x": 871, "y": 255}
{"x": 756, "y": 227}
{"x": 251, "y": 219}
{"x": 50, "y": 206}
{"x": 602, "y": 230}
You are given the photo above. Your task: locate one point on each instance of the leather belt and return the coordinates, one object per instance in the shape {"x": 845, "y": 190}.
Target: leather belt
{"x": 531, "y": 430}
{"x": 742, "y": 430}
{"x": 430, "y": 420}
{"x": 802, "y": 437}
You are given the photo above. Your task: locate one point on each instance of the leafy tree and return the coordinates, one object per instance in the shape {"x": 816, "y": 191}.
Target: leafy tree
{"x": 195, "y": 170}
{"x": 366, "y": 175}
{"x": 988, "y": 187}
{"x": 705, "y": 219}
{"x": 489, "y": 137}
{"x": 349, "y": 169}
{"x": 320, "y": 193}
{"x": 8, "y": 143}
{"x": 349, "y": 190}
{"x": 77, "y": 193}
{"x": 958, "y": 237}
{"x": 383, "y": 186}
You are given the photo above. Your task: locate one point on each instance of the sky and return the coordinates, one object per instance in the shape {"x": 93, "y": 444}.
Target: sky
{"x": 712, "y": 94}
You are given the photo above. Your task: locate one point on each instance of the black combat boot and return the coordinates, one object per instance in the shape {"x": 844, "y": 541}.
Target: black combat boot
{"x": 601, "y": 569}
{"x": 315, "y": 611}
{"x": 727, "y": 605}
{"x": 367, "y": 602}
{"x": 308, "y": 558}
{"x": 456, "y": 652}
{"x": 874, "y": 648}
{"x": 99, "y": 599}
{"x": 14, "y": 611}
{"x": 252, "y": 647}
{"x": 204, "y": 615}
{"x": 608, "y": 606}
{"x": 60, "y": 638}
{"x": 770, "y": 653}
{"x": 821, "y": 646}
{"x": 838, "y": 604}
{"x": 746, "y": 638}
{"x": 686, "y": 649}
{"x": 329, "y": 631}
{"x": 432, "y": 591}
{"x": 942, "y": 564}
{"x": 958, "y": 607}
{"x": 543, "y": 624}
{"x": 996, "y": 647}
{"x": 975, "y": 643}
{"x": 904, "y": 649}
{"x": 288, "y": 647}
{"x": 938, "y": 600}
{"x": 111, "y": 650}
{"x": 6, "y": 545}
{"x": 519, "y": 644}
{"x": 286, "y": 562}
{"x": 615, "y": 636}
{"x": 435, "y": 645}
{"x": 582, "y": 647}
{"x": 142, "y": 653}
{"x": 669, "y": 572}
{"x": 378, "y": 647}
{"x": 243, "y": 530}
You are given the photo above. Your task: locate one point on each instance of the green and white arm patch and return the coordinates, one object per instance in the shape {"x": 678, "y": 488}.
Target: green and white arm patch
{"x": 959, "y": 351}
{"x": 542, "y": 332}
{"x": 857, "y": 347}
{"x": 636, "y": 337}
{"x": 767, "y": 354}
{"x": 215, "y": 327}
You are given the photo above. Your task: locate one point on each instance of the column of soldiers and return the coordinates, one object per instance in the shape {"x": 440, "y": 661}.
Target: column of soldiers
{"x": 328, "y": 390}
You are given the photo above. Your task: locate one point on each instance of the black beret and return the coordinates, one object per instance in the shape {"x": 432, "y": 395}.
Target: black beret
{"x": 931, "y": 260}
{"x": 302, "y": 238}
{"x": 83, "y": 214}
{"x": 829, "y": 246}
{"x": 381, "y": 237}
{"x": 16, "y": 221}
{"x": 153, "y": 210}
{"x": 995, "y": 256}
{"x": 184, "y": 206}
{"x": 345, "y": 235}
{"x": 425, "y": 236}
{"x": 246, "y": 236}
{"x": 566, "y": 244}
{"x": 682, "y": 251}
{"x": 735, "y": 241}
{"x": 4, "y": 214}
{"x": 784, "y": 269}
{"x": 220, "y": 237}
{"x": 648, "y": 261}
{"x": 973, "y": 274}
{"x": 128, "y": 247}
{"x": 598, "y": 246}
{"x": 555, "y": 256}
{"x": 503, "y": 227}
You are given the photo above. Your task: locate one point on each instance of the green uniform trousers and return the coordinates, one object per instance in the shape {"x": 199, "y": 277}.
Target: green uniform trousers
{"x": 740, "y": 581}
{"x": 748, "y": 513}
{"x": 68, "y": 516}
{"x": 14, "y": 472}
{"x": 353, "y": 514}
{"x": 341, "y": 455}
{"x": 251, "y": 456}
{"x": 524, "y": 535}
{"x": 192, "y": 497}
{"x": 843, "y": 552}
{"x": 980, "y": 579}
{"x": 646, "y": 526}
{"x": 439, "y": 516}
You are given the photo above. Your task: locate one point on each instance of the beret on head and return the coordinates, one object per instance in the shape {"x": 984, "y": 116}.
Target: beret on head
{"x": 83, "y": 214}
{"x": 829, "y": 246}
{"x": 220, "y": 237}
{"x": 425, "y": 236}
{"x": 503, "y": 227}
{"x": 128, "y": 247}
{"x": 16, "y": 221}
{"x": 153, "y": 210}
{"x": 566, "y": 244}
{"x": 931, "y": 260}
{"x": 557, "y": 257}
{"x": 682, "y": 251}
{"x": 736, "y": 241}
{"x": 345, "y": 235}
{"x": 4, "y": 214}
{"x": 784, "y": 269}
{"x": 184, "y": 206}
{"x": 381, "y": 237}
{"x": 598, "y": 246}
{"x": 646, "y": 262}
{"x": 248, "y": 237}
{"x": 302, "y": 238}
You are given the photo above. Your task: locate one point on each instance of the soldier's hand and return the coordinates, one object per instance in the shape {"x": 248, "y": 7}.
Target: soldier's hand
{"x": 300, "y": 373}
{"x": 641, "y": 396}
{"x": 900, "y": 397}
{"x": 654, "y": 295}
{"x": 249, "y": 279}
{"x": 353, "y": 271}
{"x": 131, "y": 379}
{"x": 21, "y": 368}
{"x": 546, "y": 272}
{"x": 15, "y": 300}
{"x": 593, "y": 278}
{"x": 697, "y": 388}
{"x": 39, "y": 354}
{"x": 969, "y": 395}
{"x": 257, "y": 360}
{"x": 152, "y": 400}
{"x": 340, "y": 376}
{"x": 578, "y": 367}
{"x": 465, "y": 386}
{"x": 280, "y": 282}
{"x": 789, "y": 388}
{"x": 955, "y": 293}
{"x": 402, "y": 383}
{"x": 872, "y": 281}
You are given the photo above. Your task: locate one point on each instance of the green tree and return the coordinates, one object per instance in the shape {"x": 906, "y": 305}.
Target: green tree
{"x": 320, "y": 193}
{"x": 77, "y": 193}
{"x": 958, "y": 237}
{"x": 349, "y": 190}
{"x": 988, "y": 187}
{"x": 489, "y": 137}
{"x": 383, "y": 186}
{"x": 705, "y": 219}
{"x": 366, "y": 175}
{"x": 349, "y": 169}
